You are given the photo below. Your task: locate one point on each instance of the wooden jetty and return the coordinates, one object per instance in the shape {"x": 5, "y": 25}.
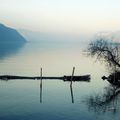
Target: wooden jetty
{"x": 41, "y": 77}
{"x": 64, "y": 78}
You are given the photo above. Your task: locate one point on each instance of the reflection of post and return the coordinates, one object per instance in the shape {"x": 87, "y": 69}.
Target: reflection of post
{"x": 41, "y": 85}
{"x": 72, "y": 96}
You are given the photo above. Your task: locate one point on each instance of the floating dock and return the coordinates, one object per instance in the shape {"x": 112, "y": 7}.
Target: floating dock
{"x": 64, "y": 78}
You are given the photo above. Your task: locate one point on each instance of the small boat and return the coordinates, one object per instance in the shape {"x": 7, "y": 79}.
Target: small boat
{"x": 77, "y": 78}
{"x": 113, "y": 79}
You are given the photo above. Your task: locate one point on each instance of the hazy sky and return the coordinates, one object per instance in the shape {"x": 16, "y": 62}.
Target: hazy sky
{"x": 64, "y": 16}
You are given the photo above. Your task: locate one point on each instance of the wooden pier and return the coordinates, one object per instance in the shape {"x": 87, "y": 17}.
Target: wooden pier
{"x": 41, "y": 77}
{"x": 64, "y": 78}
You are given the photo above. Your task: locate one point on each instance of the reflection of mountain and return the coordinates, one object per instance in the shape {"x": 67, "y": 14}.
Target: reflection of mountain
{"x": 10, "y": 41}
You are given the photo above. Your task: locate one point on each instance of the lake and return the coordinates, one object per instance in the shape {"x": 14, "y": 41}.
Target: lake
{"x": 55, "y": 99}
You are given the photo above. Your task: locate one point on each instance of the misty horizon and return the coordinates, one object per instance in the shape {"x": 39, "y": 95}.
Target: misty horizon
{"x": 73, "y": 17}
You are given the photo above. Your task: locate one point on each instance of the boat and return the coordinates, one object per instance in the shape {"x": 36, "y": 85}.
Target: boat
{"x": 77, "y": 78}
{"x": 113, "y": 78}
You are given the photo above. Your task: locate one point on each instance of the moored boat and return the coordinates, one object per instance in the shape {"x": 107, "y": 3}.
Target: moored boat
{"x": 113, "y": 79}
{"x": 77, "y": 78}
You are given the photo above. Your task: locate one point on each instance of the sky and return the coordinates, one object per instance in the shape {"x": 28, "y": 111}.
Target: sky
{"x": 62, "y": 16}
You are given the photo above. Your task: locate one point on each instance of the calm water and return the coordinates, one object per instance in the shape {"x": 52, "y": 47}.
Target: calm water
{"x": 55, "y": 100}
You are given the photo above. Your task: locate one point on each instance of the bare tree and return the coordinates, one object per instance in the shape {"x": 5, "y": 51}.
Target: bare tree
{"x": 107, "y": 51}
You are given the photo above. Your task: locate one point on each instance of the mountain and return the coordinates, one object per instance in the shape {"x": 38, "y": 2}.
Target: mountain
{"x": 10, "y": 35}
{"x": 11, "y": 41}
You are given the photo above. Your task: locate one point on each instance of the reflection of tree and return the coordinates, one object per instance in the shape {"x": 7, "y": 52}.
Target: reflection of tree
{"x": 104, "y": 102}
{"x": 107, "y": 51}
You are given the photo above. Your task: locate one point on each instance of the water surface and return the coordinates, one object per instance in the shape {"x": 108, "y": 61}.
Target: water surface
{"x": 55, "y": 100}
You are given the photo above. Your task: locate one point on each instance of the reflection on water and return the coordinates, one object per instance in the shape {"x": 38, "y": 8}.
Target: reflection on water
{"x": 41, "y": 91}
{"x": 71, "y": 91}
{"x": 72, "y": 95}
{"x": 20, "y": 100}
{"x": 108, "y": 101}
{"x": 7, "y": 49}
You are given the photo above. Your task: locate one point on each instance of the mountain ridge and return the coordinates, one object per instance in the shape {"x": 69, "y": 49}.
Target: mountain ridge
{"x": 11, "y": 41}
{"x": 10, "y": 35}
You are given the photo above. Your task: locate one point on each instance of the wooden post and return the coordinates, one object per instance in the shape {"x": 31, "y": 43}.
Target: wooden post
{"x": 72, "y": 74}
{"x": 41, "y": 73}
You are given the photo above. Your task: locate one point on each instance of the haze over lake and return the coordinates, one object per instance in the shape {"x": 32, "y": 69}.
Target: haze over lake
{"x": 54, "y": 35}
